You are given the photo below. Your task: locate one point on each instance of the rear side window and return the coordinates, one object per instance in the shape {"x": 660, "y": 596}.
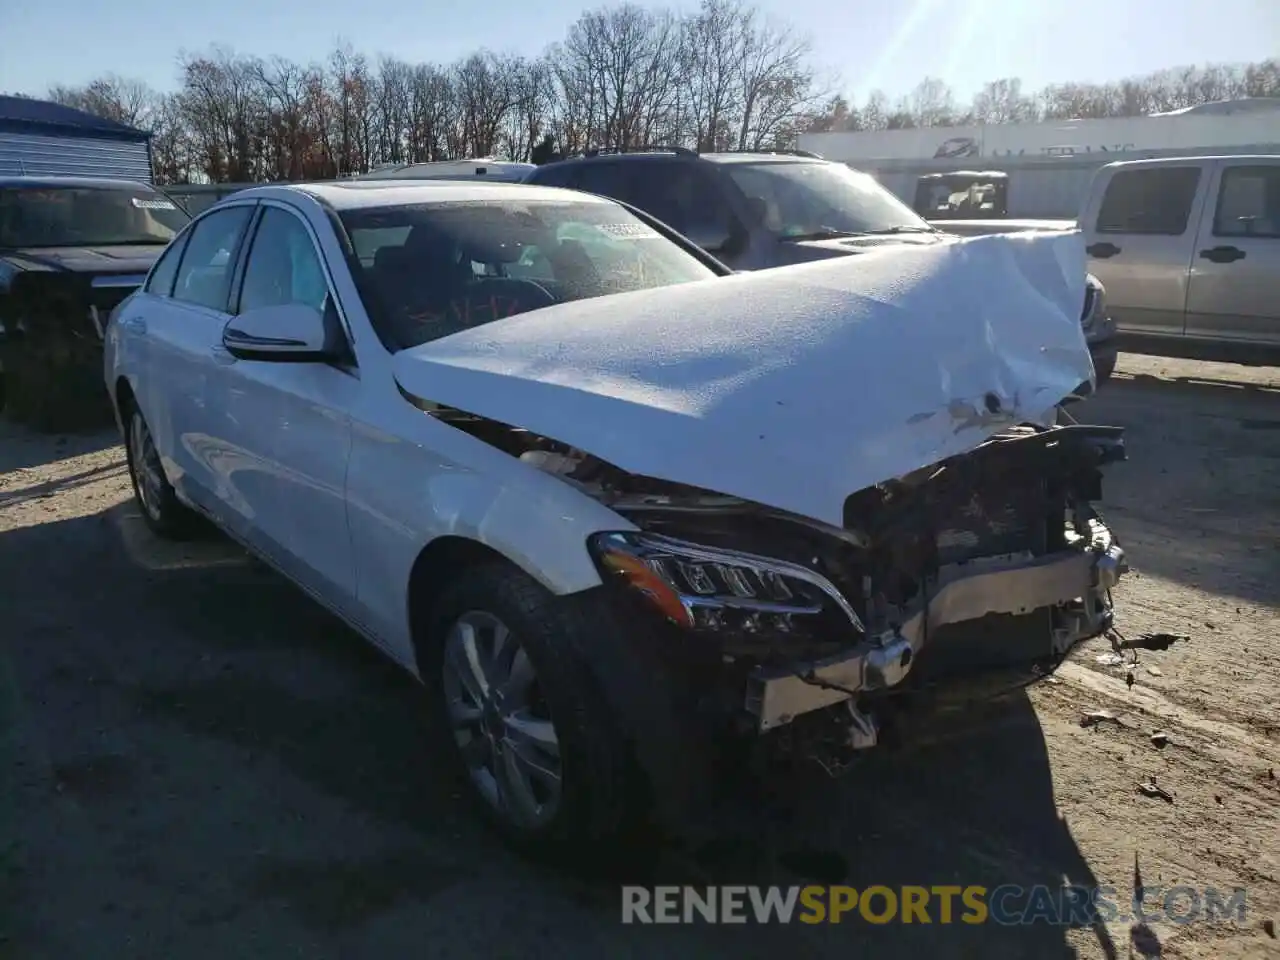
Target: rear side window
{"x": 1248, "y": 203}
{"x": 1155, "y": 200}
{"x": 160, "y": 282}
{"x": 204, "y": 278}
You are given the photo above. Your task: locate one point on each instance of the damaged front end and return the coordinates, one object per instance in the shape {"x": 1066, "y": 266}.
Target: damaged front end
{"x": 989, "y": 564}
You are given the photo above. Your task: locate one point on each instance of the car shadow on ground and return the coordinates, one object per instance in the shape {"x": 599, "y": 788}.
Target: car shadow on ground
{"x": 236, "y": 746}
{"x": 21, "y": 448}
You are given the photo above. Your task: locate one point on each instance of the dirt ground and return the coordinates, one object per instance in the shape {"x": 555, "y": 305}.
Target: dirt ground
{"x": 199, "y": 762}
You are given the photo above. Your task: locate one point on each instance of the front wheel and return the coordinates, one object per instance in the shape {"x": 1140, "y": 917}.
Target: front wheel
{"x": 161, "y": 510}
{"x": 527, "y": 723}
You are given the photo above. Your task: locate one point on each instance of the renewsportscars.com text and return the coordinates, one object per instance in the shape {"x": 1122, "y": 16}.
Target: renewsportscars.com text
{"x": 1007, "y": 905}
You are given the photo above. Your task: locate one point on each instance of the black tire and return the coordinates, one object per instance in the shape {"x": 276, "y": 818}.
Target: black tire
{"x": 599, "y": 793}
{"x": 162, "y": 511}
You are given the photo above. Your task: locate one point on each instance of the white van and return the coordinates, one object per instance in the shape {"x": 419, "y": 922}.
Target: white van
{"x": 484, "y": 168}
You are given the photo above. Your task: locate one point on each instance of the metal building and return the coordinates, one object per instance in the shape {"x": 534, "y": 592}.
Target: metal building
{"x": 38, "y": 138}
{"x": 1051, "y": 164}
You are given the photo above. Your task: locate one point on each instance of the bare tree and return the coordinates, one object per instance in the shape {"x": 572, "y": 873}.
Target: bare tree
{"x": 720, "y": 77}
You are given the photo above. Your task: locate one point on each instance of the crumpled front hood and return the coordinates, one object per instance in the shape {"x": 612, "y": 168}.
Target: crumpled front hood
{"x": 806, "y": 251}
{"x": 793, "y": 388}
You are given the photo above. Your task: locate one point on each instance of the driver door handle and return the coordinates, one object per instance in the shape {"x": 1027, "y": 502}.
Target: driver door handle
{"x": 1102, "y": 250}
{"x": 1222, "y": 254}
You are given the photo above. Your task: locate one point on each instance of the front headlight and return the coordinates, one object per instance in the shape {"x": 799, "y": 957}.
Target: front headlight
{"x": 710, "y": 588}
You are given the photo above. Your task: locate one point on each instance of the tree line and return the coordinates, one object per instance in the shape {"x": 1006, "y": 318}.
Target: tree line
{"x": 933, "y": 104}
{"x": 721, "y": 77}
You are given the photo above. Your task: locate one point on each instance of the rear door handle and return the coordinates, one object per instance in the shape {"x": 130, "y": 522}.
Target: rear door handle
{"x": 1102, "y": 250}
{"x": 1222, "y": 254}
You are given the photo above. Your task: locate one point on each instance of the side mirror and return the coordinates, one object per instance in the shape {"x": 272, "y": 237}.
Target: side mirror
{"x": 288, "y": 333}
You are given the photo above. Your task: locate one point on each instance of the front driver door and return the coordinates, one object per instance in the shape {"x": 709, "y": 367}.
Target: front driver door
{"x": 290, "y": 420}
{"x": 183, "y": 320}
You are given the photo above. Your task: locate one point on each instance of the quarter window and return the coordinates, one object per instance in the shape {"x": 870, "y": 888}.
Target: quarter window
{"x": 204, "y": 278}
{"x": 160, "y": 282}
{"x": 1154, "y": 200}
{"x": 283, "y": 265}
{"x": 1248, "y": 203}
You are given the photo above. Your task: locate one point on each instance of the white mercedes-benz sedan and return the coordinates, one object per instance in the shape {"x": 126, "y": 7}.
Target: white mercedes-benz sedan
{"x": 628, "y": 517}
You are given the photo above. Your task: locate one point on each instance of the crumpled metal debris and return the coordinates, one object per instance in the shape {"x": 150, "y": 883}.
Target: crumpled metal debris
{"x": 1153, "y": 641}
{"x": 1152, "y": 789}
{"x": 1095, "y": 717}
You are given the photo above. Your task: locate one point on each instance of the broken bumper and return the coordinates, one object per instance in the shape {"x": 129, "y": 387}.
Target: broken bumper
{"x": 1075, "y": 582}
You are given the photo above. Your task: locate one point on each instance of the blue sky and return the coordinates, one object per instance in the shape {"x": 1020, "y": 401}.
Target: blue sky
{"x": 888, "y": 44}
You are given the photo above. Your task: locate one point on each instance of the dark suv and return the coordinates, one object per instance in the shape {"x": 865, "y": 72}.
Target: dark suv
{"x": 758, "y": 210}
{"x": 751, "y": 210}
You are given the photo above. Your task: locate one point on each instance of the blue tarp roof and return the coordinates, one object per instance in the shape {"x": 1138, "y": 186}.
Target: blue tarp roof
{"x": 23, "y": 112}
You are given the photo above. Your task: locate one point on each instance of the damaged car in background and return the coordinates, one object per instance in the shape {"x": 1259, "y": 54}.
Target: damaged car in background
{"x": 71, "y": 248}
{"x": 632, "y": 521}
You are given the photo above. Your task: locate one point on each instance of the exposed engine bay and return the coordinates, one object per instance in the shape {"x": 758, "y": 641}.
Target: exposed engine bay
{"x": 992, "y": 560}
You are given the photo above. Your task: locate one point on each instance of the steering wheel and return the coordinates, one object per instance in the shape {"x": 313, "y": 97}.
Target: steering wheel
{"x": 496, "y": 298}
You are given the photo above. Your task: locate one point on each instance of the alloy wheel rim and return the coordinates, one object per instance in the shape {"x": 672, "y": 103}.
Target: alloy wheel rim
{"x": 146, "y": 467}
{"x": 500, "y": 720}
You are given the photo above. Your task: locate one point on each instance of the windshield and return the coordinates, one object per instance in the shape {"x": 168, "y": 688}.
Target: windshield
{"x": 807, "y": 200}
{"x": 429, "y": 270}
{"x": 86, "y": 217}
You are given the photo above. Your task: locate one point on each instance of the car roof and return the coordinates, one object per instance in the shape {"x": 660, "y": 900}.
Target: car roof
{"x": 364, "y": 194}
{"x": 650, "y": 156}
{"x": 66, "y": 183}
{"x": 763, "y": 156}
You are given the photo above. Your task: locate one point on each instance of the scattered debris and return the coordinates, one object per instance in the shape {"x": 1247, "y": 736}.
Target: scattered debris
{"x": 1160, "y": 739}
{"x": 1269, "y": 926}
{"x": 1271, "y": 773}
{"x": 1210, "y": 625}
{"x": 1151, "y": 789}
{"x": 1111, "y": 659}
{"x": 1155, "y": 671}
{"x": 1217, "y": 799}
{"x": 1095, "y": 717}
{"x": 1153, "y": 641}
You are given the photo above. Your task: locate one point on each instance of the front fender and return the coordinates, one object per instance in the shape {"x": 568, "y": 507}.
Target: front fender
{"x": 403, "y": 494}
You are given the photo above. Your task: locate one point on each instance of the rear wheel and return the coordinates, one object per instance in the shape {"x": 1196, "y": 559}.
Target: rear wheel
{"x": 527, "y": 723}
{"x": 157, "y": 501}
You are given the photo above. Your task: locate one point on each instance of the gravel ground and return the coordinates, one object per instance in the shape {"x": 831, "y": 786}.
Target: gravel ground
{"x": 199, "y": 762}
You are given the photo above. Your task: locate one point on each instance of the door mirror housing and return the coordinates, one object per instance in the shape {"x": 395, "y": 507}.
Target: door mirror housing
{"x": 287, "y": 333}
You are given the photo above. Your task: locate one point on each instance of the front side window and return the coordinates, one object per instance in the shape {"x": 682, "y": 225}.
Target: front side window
{"x": 283, "y": 266}
{"x": 1248, "y": 202}
{"x": 463, "y": 264}
{"x": 204, "y": 277}
{"x": 87, "y": 217}
{"x": 679, "y": 194}
{"x": 798, "y": 200}
{"x": 1152, "y": 200}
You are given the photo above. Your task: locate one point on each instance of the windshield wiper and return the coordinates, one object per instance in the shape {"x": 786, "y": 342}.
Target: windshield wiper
{"x": 824, "y": 234}
{"x": 903, "y": 228}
